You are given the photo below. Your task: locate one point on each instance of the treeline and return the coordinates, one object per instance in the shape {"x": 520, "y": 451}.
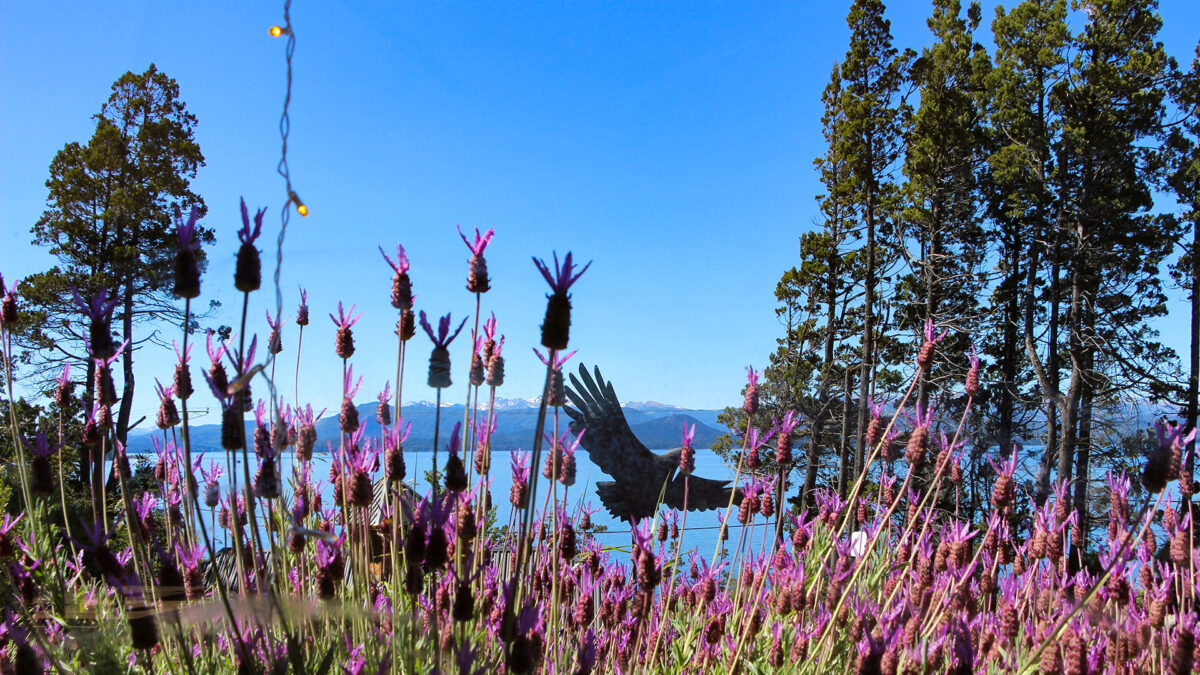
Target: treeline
{"x": 1034, "y": 201}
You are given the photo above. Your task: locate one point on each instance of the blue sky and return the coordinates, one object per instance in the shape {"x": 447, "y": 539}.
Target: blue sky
{"x": 670, "y": 143}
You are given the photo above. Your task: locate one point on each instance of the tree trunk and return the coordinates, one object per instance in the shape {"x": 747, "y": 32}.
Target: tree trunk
{"x": 122, "y": 427}
{"x": 1083, "y": 455}
{"x": 1006, "y": 396}
{"x": 868, "y": 345}
{"x": 932, "y": 253}
{"x": 844, "y": 449}
{"x": 823, "y": 398}
{"x": 1194, "y": 365}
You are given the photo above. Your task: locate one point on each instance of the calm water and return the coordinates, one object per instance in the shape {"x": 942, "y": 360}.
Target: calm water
{"x": 701, "y": 531}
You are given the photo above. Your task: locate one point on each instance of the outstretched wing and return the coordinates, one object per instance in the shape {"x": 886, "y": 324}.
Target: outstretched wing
{"x": 609, "y": 441}
{"x": 702, "y": 493}
{"x": 627, "y": 501}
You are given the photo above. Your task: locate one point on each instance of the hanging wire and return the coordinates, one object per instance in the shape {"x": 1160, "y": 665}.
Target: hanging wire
{"x": 285, "y": 127}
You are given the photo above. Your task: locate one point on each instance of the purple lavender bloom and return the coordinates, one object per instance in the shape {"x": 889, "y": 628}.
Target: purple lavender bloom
{"x": 455, "y": 472}
{"x": 62, "y": 394}
{"x": 348, "y": 415}
{"x": 168, "y": 414}
{"x": 344, "y": 345}
{"x": 247, "y": 275}
{"x": 402, "y": 295}
{"x": 925, "y": 355}
{"x": 187, "y": 264}
{"x": 275, "y": 341}
{"x": 750, "y": 405}
{"x": 687, "y": 455}
{"x": 42, "y": 451}
{"x": 556, "y": 327}
{"x": 99, "y": 309}
{"x": 783, "y": 439}
{"x": 6, "y": 538}
{"x": 1170, "y": 435}
{"x": 8, "y": 305}
{"x": 245, "y": 234}
{"x": 519, "y": 494}
{"x": 302, "y": 311}
{"x": 356, "y": 661}
{"x": 401, "y": 265}
{"x": 585, "y": 659}
{"x": 477, "y": 276}
{"x": 383, "y": 413}
{"x": 464, "y": 659}
{"x": 443, "y": 330}
{"x": 439, "y": 359}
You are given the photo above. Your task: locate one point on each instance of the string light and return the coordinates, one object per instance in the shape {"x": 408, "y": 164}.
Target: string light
{"x": 276, "y": 31}
{"x": 300, "y": 207}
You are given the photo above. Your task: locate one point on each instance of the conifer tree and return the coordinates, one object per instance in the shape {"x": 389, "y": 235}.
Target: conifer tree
{"x": 1031, "y": 43}
{"x": 945, "y": 153}
{"x": 108, "y": 222}
{"x": 873, "y": 114}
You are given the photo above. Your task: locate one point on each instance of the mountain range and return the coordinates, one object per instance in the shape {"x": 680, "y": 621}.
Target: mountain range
{"x": 657, "y": 425}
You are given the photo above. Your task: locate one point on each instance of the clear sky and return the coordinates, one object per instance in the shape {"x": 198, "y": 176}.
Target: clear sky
{"x": 669, "y": 142}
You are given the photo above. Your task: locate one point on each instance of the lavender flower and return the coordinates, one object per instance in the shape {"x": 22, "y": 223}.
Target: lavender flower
{"x": 556, "y": 327}
{"x": 302, "y": 310}
{"x": 217, "y": 377}
{"x": 43, "y": 475}
{"x": 750, "y": 405}
{"x": 456, "y": 473}
{"x": 62, "y": 394}
{"x": 360, "y": 462}
{"x": 247, "y": 276}
{"x": 275, "y": 341}
{"x": 99, "y": 311}
{"x": 183, "y": 376}
{"x": 383, "y": 412}
{"x": 687, "y": 455}
{"x": 402, "y": 296}
{"x": 972, "y": 385}
{"x": 875, "y": 427}
{"x": 191, "y": 559}
{"x": 1005, "y": 489}
{"x": 477, "y": 276}
{"x": 495, "y": 365}
{"x": 519, "y": 494}
{"x": 348, "y": 415}
{"x": 918, "y": 440}
{"x": 783, "y": 439}
{"x": 393, "y": 440}
{"x": 6, "y": 537}
{"x": 331, "y": 567}
{"x": 483, "y": 444}
{"x": 168, "y": 414}
{"x": 187, "y": 260}
{"x": 306, "y": 436}
{"x": 560, "y": 454}
{"x": 556, "y": 393}
{"x": 925, "y": 355}
{"x": 345, "y": 338}
{"x": 8, "y": 304}
{"x": 439, "y": 360}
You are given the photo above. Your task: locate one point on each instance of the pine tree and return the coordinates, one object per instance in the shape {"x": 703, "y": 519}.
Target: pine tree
{"x": 945, "y": 151}
{"x": 1031, "y": 43}
{"x": 1183, "y": 177}
{"x": 873, "y": 115}
{"x": 109, "y": 223}
{"x": 1112, "y": 110}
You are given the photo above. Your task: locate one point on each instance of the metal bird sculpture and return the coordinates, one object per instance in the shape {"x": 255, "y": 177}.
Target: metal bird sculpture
{"x": 639, "y": 474}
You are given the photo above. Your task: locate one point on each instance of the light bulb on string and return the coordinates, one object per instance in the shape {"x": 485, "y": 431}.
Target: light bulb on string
{"x": 300, "y": 207}
{"x": 276, "y": 31}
